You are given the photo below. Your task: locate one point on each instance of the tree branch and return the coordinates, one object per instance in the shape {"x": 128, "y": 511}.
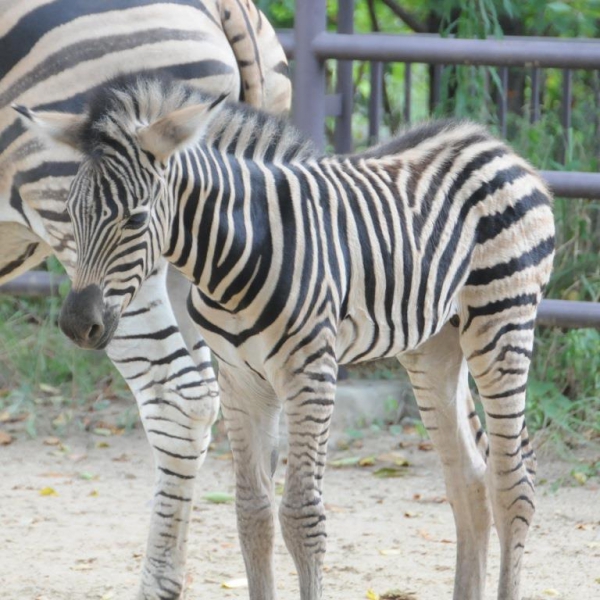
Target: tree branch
{"x": 405, "y": 16}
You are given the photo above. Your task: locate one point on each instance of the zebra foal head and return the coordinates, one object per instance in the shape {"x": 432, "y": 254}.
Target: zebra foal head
{"x": 119, "y": 201}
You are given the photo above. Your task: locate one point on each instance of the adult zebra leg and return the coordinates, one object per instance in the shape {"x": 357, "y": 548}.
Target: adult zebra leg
{"x": 178, "y": 403}
{"x": 438, "y": 373}
{"x": 251, "y": 412}
{"x": 499, "y": 358}
{"x": 309, "y": 398}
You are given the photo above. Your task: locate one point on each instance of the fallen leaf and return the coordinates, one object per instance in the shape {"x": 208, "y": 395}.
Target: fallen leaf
{"x": 102, "y": 445}
{"x": 6, "y": 417}
{"x": 425, "y": 446}
{"x": 94, "y": 493}
{"x": 349, "y": 461}
{"x": 81, "y": 567}
{"x": 411, "y": 515}
{"x": 87, "y": 476}
{"x": 387, "y": 472}
{"x": 102, "y": 431}
{"x": 579, "y": 477}
{"x": 51, "y": 441}
{"x": 371, "y": 595}
{"x": 219, "y": 497}
{"x": 397, "y": 595}
{"x": 108, "y": 596}
{"x": 5, "y": 438}
{"x": 551, "y": 592}
{"x": 394, "y": 458}
{"x": 426, "y": 535}
{"x": 235, "y": 584}
{"x": 367, "y": 461}
{"x": 48, "y": 491}
{"x": 49, "y": 389}
{"x": 390, "y": 552}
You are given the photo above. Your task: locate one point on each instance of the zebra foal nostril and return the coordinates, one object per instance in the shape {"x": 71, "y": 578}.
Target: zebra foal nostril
{"x": 94, "y": 332}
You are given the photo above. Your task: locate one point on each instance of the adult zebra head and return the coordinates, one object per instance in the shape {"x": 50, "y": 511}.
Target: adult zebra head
{"x": 119, "y": 201}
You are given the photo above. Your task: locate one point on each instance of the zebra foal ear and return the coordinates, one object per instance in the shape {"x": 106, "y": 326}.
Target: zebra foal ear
{"x": 64, "y": 128}
{"x": 179, "y": 129}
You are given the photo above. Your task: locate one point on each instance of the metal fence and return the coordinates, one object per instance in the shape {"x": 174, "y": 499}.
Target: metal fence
{"x": 311, "y": 45}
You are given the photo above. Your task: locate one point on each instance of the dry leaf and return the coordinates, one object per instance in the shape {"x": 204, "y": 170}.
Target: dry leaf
{"x": 397, "y": 595}
{"x": 49, "y": 389}
{"x": 371, "y": 595}
{"x": 387, "y": 472}
{"x": 48, "y": 491}
{"x": 235, "y": 584}
{"x": 94, "y": 493}
{"x": 394, "y": 458}
{"x": 367, "y": 461}
{"x": 551, "y": 592}
{"x": 5, "y": 438}
{"x": 390, "y": 552}
{"x": 51, "y": 441}
{"x": 6, "y": 417}
{"x": 349, "y": 461}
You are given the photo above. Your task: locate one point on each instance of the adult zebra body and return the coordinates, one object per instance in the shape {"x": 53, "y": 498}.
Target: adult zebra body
{"x": 304, "y": 262}
{"x": 52, "y": 54}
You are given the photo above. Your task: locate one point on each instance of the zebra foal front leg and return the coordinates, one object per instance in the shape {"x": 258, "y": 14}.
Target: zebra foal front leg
{"x": 178, "y": 403}
{"x": 251, "y": 412}
{"x": 309, "y": 399}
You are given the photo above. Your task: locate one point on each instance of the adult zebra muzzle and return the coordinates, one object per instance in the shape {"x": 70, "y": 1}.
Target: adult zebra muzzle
{"x": 86, "y": 320}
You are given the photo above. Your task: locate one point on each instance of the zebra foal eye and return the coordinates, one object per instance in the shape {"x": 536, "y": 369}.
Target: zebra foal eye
{"x": 136, "y": 220}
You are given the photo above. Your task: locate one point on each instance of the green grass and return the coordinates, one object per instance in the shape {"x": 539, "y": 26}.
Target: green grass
{"x": 46, "y": 379}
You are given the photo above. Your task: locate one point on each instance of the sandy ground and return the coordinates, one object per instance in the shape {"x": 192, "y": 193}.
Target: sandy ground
{"x": 73, "y": 523}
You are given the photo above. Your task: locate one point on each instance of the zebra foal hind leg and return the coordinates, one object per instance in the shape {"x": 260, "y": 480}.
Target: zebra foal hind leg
{"x": 498, "y": 354}
{"x": 251, "y": 412}
{"x": 178, "y": 403}
{"x": 438, "y": 373}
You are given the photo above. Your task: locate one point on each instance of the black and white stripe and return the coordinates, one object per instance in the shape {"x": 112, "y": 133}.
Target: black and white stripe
{"x": 53, "y": 55}
{"x": 434, "y": 248}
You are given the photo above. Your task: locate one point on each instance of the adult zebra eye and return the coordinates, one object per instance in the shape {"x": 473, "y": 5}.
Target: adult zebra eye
{"x": 136, "y": 221}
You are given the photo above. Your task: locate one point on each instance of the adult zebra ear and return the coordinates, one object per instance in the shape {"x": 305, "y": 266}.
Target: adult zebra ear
{"x": 179, "y": 129}
{"x": 64, "y": 128}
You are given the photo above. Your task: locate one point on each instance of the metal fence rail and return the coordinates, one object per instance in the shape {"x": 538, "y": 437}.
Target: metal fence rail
{"x": 311, "y": 45}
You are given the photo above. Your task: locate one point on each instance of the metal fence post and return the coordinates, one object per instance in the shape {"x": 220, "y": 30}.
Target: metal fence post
{"x": 309, "y": 71}
{"x": 345, "y": 85}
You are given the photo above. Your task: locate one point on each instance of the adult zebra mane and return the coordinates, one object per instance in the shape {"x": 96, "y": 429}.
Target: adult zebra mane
{"x": 119, "y": 107}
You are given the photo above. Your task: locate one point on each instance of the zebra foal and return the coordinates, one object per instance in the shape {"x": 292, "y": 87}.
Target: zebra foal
{"x": 301, "y": 262}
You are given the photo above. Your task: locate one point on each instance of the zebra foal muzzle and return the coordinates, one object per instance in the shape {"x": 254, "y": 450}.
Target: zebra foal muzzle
{"x": 85, "y": 319}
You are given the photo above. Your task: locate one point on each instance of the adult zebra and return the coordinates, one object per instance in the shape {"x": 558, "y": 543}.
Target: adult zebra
{"x": 435, "y": 247}
{"x": 52, "y": 54}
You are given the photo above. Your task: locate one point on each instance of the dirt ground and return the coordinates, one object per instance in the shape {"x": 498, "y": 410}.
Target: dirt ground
{"x": 73, "y": 523}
